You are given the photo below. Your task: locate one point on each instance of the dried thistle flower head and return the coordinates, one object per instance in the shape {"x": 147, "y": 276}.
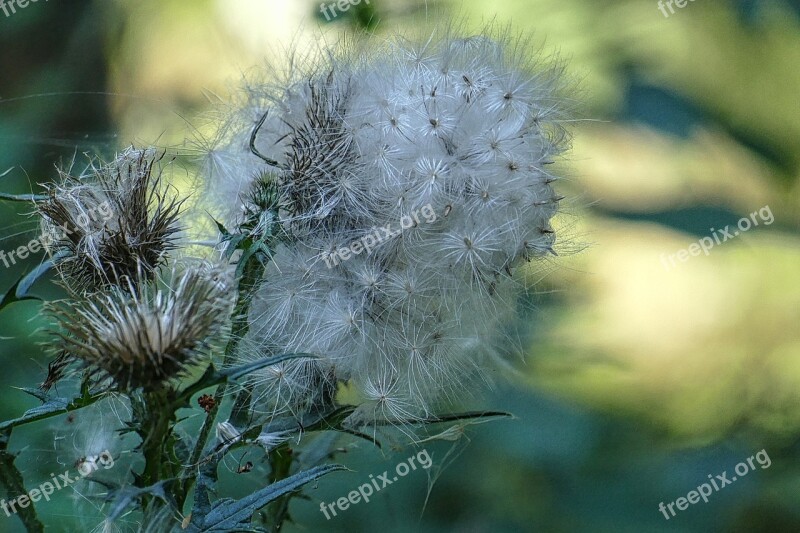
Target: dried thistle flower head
{"x": 147, "y": 333}
{"x": 414, "y": 177}
{"x": 113, "y": 223}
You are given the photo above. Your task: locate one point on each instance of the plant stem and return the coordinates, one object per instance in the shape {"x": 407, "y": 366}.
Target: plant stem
{"x": 155, "y": 419}
{"x": 280, "y": 460}
{"x": 11, "y": 477}
{"x": 155, "y": 430}
{"x": 251, "y": 276}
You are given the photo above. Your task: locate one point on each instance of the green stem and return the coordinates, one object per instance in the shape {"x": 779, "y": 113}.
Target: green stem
{"x": 11, "y": 477}
{"x": 154, "y": 416}
{"x": 155, "y": 431}
{"x": 280, "y": 460}
{"x": 251, "y": 275}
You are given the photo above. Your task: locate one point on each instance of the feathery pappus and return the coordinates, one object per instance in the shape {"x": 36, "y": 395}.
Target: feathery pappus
{"x": 463, "y": 129}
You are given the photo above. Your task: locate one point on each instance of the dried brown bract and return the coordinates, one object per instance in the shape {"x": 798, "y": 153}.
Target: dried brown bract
{"x": 113, "y": 224}
{"x": 147, "y": 333}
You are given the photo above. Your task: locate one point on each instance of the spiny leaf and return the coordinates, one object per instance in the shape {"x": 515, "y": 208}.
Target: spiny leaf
{"x": 51, "y": 407}
{"x": 34, "y": 275}
{"x": 256, "y": 249}
{"x": 213, "y": 377}
{"x": 469, "y": 415}
{"x": 450, "y": 417}
{"x": 311, "y": 422}
{"x": 39, "y": 394}
{"x": 227, "y": 515}
{"x": 331, "y": 420}
{"x": 240, "y": 371}
{"x": 19, "y": 291}
{"x": 221, "y": 227}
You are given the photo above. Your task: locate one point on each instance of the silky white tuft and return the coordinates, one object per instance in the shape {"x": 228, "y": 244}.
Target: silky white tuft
{"x": 413, "y": 178}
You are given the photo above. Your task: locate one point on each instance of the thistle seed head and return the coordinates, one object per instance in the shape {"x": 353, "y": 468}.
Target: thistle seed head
{"x": 414, "y": 176}
{"x": 147, "y": 333}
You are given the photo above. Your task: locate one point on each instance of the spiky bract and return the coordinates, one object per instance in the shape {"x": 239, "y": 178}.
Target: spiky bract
{"x": 113, "y": 223}
{"x": 147, "y": 333}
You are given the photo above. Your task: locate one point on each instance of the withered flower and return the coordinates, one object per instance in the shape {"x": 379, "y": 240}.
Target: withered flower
{"x": 147, "y": 333}
{"x": 113, "y": 223}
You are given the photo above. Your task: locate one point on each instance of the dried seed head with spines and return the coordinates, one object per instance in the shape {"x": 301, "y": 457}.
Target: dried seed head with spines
{"x": 114, "y": 223}
{"x": 147, "y": 333}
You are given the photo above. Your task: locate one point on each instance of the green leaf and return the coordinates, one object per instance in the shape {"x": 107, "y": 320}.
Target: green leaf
{"x": 469, "y": 415}
{"x": 234, "y": 243}
{"x": 13, "y": 295}
{"x": 331, "y": 420}
{"x": 22, "y": 197}
{"x": 232, "y": 515}
{"x": 51, "y": 407}
{"x": 19, "y": 292}
{"x": 212, "y": 377}
{"x": 334, "y": 420}
{"x": 311, "y": 422}
{"x": 221, "y": 227}
{"x": 34, "y": 275}
{"x": 39, "y": 394}
{"x": 240, "y": 371}
{"x": 451, "y": 417}
{"x": 253, "y": 248}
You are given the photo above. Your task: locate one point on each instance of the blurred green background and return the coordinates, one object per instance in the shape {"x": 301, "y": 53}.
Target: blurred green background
{"x": 638, "y": 381}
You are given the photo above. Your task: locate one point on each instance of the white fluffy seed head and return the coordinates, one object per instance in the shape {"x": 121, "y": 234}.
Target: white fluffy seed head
{"x": 414, "y": 177}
